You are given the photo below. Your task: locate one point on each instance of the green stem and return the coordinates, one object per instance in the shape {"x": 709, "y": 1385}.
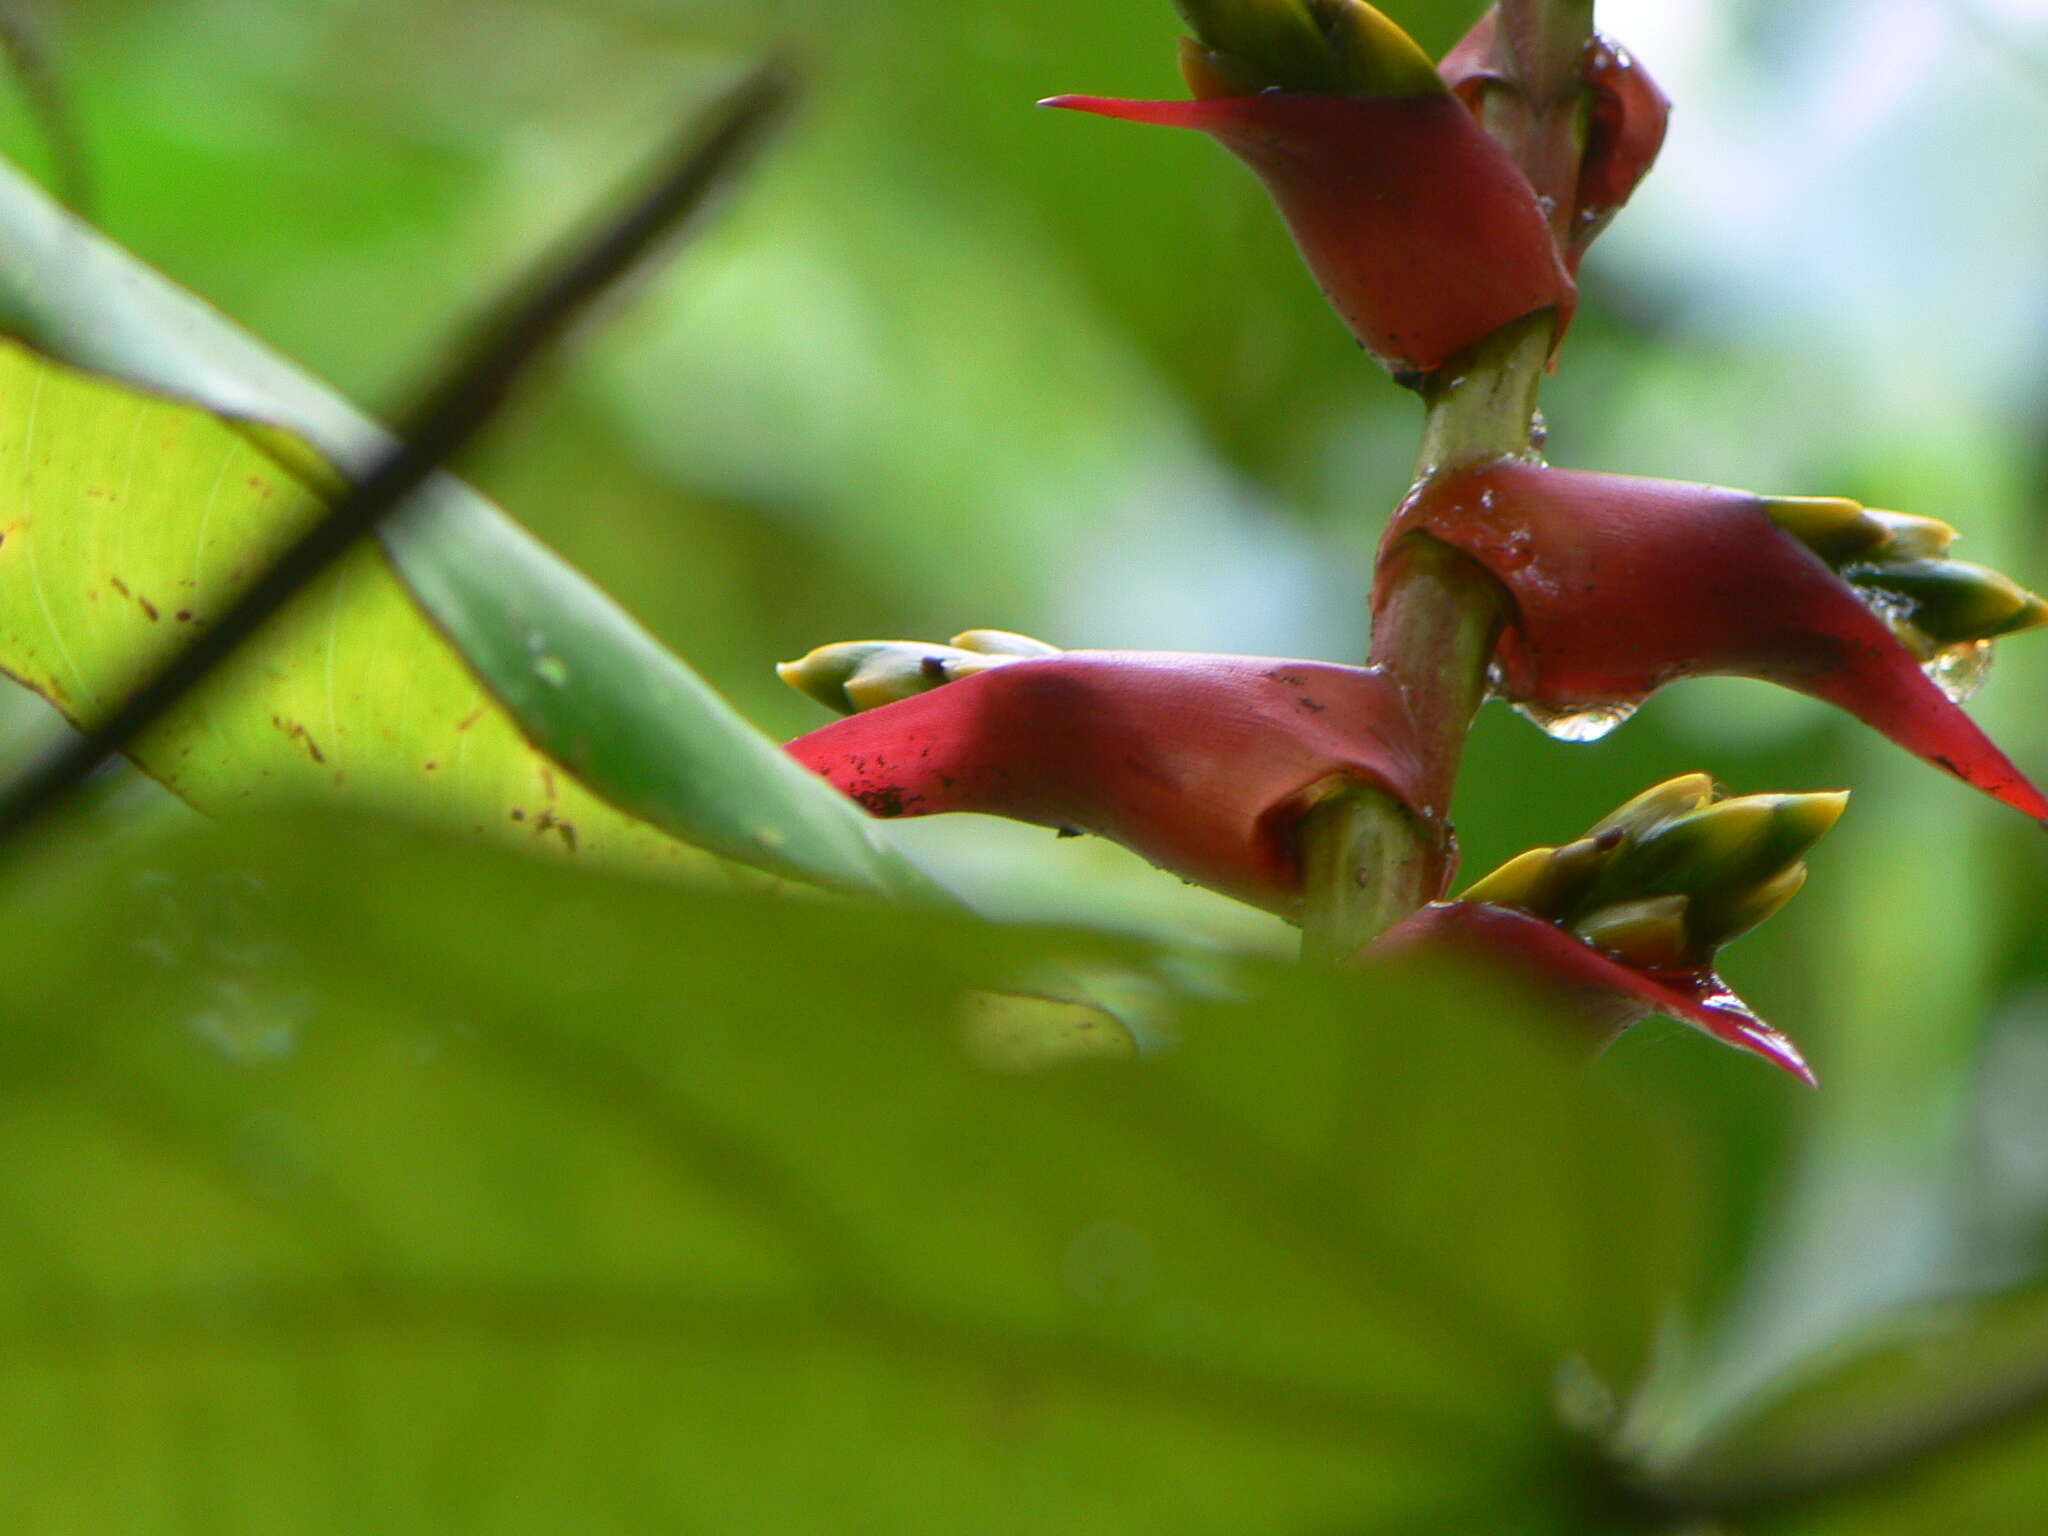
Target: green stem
{"x": 1367, "y": 859}
{"x": 1365, "y": 865}
{"x": 1483, "y": 405}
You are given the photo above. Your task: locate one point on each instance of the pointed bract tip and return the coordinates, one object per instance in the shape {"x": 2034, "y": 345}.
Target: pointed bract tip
{"x": 1166, "y": 114}
{"x": 1807, "y": 818}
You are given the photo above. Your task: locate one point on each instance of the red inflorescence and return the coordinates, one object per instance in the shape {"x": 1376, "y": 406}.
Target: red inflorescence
{"x": 1203, "y": 764}
{"x": 1419, "y": 228}
{"x": 1621, "y": 585}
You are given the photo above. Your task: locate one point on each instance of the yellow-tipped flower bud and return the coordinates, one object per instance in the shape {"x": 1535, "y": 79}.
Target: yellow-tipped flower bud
{"x": 1001, "y": 642}
{"x": 1649, "y": 934}
{"x": 1657, "y": 804}
{"x": 1374, "y": 55}
{"x": 1900, "y": 564}
{"x": 1714, "y": 926}
{"x": 1955, "y": 602}
{"x": 1520, "y": 882}
{"x": 1672, "y": 875}
{"x": 1683, "y": 851}
{"x": 1734, "y": 896}
{"x": 1330, "y": 47}
{"x": 1833, "y": 527}
{"x": 854, "y": 675}
{"x": 1909, "y": 537}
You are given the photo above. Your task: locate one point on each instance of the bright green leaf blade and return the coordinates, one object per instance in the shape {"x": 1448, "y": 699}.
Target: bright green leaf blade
{"x": 128, "y": 520}
{"x": 580, "y": 678}
{"x": 503, "y": 1196}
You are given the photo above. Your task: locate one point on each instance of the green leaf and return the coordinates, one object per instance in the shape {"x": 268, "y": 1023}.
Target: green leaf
{"x": 511, "y": 1196}
{"x": 134, "y": 518}
{"x": 579, "y": 678}
{"x": 1934, "y": 1418}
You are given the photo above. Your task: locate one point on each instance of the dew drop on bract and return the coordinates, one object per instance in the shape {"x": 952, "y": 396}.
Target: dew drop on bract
{"x": 1588, "y": 723}
{"x": 551, "y": 670}
{"x": 1959, "y": 670}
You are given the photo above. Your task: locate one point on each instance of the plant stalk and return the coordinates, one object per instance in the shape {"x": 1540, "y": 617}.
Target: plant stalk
{"x": 1367, "y": 860}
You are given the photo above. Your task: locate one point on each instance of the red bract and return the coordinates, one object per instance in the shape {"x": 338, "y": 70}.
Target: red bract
{"x": 1621, "y": 585}
{"x": 1607, "y": 995}
{"x": 1203, "y": 764}
{"x": 1418, "y": 227}
{"x": 1627, "y": 114}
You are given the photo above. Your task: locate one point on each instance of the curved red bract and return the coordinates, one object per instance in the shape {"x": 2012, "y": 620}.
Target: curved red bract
{"x": 1608, "y": 995}
{"x": 1203, "y": 764}
{"x": 1627, "y": 114}
{"x": 1621, "y": 585}
{"x": 1421, "y": 231}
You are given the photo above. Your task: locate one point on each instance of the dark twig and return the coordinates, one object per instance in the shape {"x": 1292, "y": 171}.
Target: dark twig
{"x": 450, "y": 415}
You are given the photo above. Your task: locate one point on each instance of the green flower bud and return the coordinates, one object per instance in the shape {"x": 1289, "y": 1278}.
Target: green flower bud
{"x": 1955, "y": 602}
{"x": 1672, "y": 875}
{"x": 1649, "y": 934}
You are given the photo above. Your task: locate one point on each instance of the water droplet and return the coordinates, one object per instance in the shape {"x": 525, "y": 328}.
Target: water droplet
{"x": 1587, "y": 723}
{"x": 1486, "y": 500}
{"x": 552, "y": 670}
{"x": 1960, "y": 670}
{"x": 1957, "y": 670}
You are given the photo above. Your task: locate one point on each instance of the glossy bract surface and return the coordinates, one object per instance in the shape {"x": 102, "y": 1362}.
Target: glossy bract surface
{"x": 1203, "y": 764}
{"x": 1621, "y": 585}
{"x": 1418, "y": 227}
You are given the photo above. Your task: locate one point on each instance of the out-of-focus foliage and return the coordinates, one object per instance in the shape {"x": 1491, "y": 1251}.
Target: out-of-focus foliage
{"x": 510, "y": 1196}
{"x": 94, "y": 463}
{"x": 951, "y": 363}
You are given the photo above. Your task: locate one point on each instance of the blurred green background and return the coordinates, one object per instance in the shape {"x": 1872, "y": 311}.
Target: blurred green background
{"x": 947, "y": 362}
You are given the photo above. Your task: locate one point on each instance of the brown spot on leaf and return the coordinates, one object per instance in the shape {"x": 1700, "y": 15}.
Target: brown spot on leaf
{"x": 184, "y": 615}
{"x": 119, "y": 586}
{"x": 148, "y": 608}
{"x": 517, "y": 814}
{"x": 295, "y": 731}
{"x": 470, "y": 719}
